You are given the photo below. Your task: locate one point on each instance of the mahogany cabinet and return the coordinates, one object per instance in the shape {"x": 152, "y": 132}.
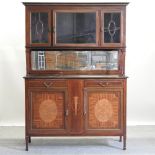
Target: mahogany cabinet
{"x": 75, "y": 62}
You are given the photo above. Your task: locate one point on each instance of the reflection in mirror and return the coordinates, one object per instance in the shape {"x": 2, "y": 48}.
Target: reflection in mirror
{"x": 74, "y": 60}
{"x": 76, "y": 27}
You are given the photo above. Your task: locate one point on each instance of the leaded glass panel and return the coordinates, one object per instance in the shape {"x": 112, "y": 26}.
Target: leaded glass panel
{"x": 39, "y": 27}
{"x": 112, "y": 27}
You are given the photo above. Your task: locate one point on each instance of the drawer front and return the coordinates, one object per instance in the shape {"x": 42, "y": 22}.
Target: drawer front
{"x": 47, "y": 83}
{"x": 103, "y": 83}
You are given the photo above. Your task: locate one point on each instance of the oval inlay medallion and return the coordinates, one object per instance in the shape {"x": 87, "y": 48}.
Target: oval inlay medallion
{"x": 48, "y": 111}
{"x": 103, "y": 110}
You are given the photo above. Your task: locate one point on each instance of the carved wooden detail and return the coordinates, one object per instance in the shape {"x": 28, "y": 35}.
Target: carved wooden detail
{"x": 47, "y": 110}
{"x": 103, "y": 108}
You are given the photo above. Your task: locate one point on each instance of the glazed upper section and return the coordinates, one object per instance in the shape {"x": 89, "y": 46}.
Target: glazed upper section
{"x": 75, "y": 25}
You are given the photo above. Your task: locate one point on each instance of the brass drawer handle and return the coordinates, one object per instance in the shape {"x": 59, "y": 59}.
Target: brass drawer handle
{"x": 76, "y": 104}
{"x": 48, "y": 84}
{"x": 103, "y": 84}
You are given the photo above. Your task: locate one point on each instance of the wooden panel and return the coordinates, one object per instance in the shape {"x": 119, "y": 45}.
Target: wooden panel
{"x": 103, "y": 108}
{"x": 75, "y": 88}
{"x": 47, "y": 110}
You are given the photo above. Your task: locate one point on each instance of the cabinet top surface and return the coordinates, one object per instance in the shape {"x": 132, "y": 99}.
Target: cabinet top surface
{"x": 77, "y": 77}
{"x": 73, "y": 4}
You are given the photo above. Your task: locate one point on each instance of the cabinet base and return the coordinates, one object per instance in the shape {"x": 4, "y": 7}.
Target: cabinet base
{"x": 28, "y": 140}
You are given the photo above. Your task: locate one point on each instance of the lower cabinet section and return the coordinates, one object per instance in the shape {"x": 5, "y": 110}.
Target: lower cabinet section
{"x": 75, "y": 107}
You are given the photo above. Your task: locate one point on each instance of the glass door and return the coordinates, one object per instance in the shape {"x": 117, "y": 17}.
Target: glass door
{"x": 39, "y": 34}
{"x": 75, "y": 28}
{"x": 112, "y": 28}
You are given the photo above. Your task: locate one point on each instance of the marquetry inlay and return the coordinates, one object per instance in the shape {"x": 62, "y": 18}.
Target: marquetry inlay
{"x": 48, "y": 110}
{"x": 103, "y": 109}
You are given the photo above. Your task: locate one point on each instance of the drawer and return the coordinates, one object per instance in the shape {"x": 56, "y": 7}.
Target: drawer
{"x": 103, "y": 83}
{"x": 47, "y": 83}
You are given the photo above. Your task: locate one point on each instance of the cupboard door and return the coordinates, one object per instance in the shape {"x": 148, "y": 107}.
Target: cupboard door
{"x": 48, "y": 110}
{"x": 112, "y": 28}
{"x": 75, "y": 28}
{"x": 103, "y": 109}
{"x": 38, "y": 28}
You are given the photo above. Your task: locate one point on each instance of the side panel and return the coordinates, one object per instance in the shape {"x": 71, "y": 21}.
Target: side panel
{"x": 75, "y": 90}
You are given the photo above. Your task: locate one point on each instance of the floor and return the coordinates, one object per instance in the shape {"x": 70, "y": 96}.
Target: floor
{"x": 140, "y": 141}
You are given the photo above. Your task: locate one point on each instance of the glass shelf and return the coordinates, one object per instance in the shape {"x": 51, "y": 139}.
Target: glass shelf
{"x": 74, "y": 60}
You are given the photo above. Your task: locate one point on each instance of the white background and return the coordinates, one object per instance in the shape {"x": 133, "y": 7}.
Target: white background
{"x": 140, "y": 61}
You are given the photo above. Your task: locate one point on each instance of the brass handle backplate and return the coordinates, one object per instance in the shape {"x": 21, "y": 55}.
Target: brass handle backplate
{"x": 48, "y": 84}
{"x": 103, "y": 84}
